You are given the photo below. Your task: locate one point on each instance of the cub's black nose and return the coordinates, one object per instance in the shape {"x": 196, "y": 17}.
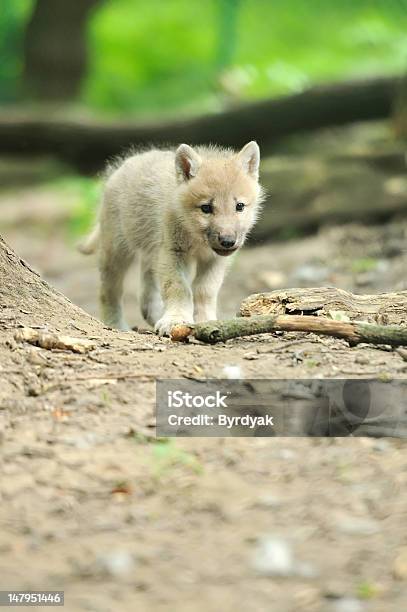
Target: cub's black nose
{"x": 227, "y": 242}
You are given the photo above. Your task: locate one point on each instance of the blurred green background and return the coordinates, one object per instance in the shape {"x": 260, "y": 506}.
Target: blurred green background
{"x": 139, "y": 60}
{"x": 169, "y": 56}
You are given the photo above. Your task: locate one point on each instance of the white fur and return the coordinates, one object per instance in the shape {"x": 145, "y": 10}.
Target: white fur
{"x": 151, "y": 207}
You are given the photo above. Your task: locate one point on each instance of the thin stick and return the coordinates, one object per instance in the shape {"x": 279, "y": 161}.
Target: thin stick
{"x": 212, "y": 332}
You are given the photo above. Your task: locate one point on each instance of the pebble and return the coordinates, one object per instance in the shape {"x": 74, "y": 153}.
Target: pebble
{"x": 273, "y": 556}
{"x": 348, "y": 604}
{"x": 116, "y": 563}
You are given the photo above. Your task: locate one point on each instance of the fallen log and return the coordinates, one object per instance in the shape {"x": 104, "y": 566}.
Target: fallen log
{"x": 383, "y": 308}
{"x": 374, "y": 319}
{"x": 87, "y": 145}
{"x": 354, "y": 332}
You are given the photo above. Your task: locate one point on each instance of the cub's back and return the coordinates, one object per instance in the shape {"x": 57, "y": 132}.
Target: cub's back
{"x": 136, "y": 194}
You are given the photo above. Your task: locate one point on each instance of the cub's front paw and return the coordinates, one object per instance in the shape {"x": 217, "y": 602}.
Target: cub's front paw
{"x": 164, "y": 325}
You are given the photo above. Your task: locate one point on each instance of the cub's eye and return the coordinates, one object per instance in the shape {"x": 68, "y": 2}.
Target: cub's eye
{"x": 207, "y": 209}
{"x": 240, "y": 206}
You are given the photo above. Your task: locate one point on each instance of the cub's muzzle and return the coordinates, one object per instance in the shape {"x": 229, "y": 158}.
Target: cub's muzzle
{"x": 226, "y": 245}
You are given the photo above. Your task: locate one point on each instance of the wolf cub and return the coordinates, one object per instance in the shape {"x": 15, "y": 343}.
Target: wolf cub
{"x": 183, "y": 213}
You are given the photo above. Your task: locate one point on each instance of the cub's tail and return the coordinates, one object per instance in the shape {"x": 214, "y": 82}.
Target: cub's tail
{"x": 90, "y": 243}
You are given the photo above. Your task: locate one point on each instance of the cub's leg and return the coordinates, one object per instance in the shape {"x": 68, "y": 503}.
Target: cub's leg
{"x": 114, "y": 261}
{"x": 152, "y": 306}
{"x": 175, "y": 287}
{"x": 208, "y": 280}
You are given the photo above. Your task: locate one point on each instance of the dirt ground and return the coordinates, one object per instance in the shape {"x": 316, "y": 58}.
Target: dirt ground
{"x": 92, "y": 504}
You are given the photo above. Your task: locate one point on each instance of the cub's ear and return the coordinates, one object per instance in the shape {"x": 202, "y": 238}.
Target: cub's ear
{"x": 187, "y": 162}
{"x": 249, "y": 157}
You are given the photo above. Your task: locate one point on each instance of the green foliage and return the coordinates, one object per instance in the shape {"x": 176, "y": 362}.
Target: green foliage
{"x": 150, "y": 56}
{"x": 300, "y": 42}
{"x": 189, "y": 56}
{"x": 13, "y": 17}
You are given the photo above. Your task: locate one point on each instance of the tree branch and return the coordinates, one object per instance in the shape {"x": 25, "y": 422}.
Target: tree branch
{"x": 212, "y": 332}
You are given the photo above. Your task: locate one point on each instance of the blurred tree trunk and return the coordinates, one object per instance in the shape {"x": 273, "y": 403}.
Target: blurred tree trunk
{"x": 88, "y": 145}
{"x": 11, "y": 41}
{"x": 55, "y": 48}
{"x": 228, "y": 11}
{"x": 227, "y": 34}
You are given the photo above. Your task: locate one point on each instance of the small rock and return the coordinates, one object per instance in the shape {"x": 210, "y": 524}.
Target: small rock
{"x": 348, "y": 604}
{"x": 116, "y": 563}
{"x": 273, "y": 557}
